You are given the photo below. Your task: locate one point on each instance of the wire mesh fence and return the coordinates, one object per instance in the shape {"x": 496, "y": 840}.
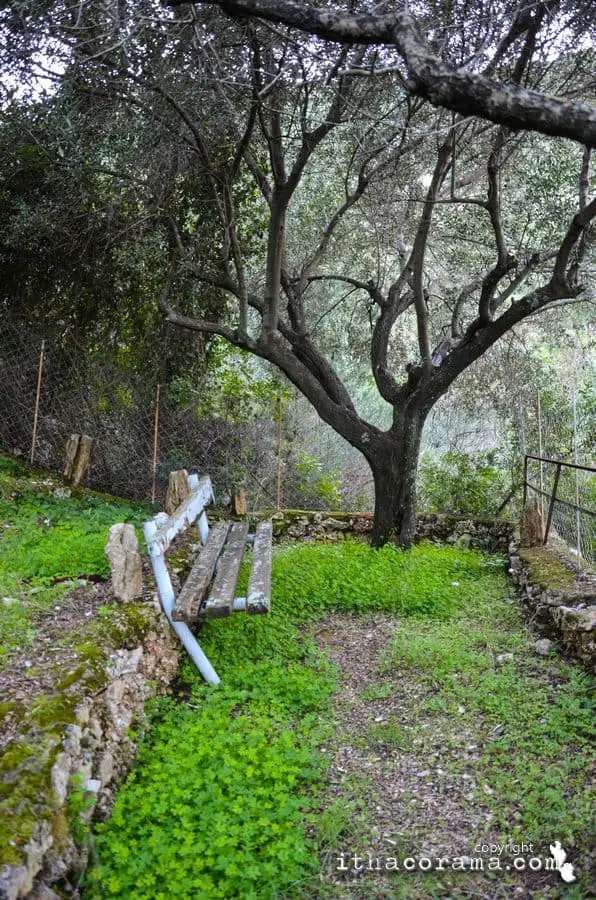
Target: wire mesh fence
{"x": 140, "y": 432}
{"x": 566, "y": 493}
{"x": 51, "y": 389}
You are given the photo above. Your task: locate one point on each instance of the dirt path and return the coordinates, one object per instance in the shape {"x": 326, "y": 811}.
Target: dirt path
{"x": 403, "y": 783}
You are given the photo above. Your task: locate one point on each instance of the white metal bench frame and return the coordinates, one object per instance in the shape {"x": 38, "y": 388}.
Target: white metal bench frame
{"x": 159, "y": 533}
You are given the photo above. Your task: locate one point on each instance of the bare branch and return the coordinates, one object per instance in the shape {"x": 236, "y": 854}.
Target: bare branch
{"x": 458, "y": 89}
{"x": 505, "y": 262}
{"x": 369, "y": 286}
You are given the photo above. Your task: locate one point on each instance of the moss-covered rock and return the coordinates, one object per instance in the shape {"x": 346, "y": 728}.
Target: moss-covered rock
{"x": 546, "y": 568}
{"x": 27, "y": 798}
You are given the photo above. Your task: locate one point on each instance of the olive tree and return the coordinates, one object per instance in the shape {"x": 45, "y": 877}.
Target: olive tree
{"x": 375, "y": 155}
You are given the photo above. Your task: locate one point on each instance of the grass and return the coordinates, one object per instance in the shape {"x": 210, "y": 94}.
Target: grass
{"x": 532, "y": 718}
{"x": 50, "y": 542}
{"x": 248, "y": 816}
{"x": 228, "y": 796}
{"x": 388, "y": 735}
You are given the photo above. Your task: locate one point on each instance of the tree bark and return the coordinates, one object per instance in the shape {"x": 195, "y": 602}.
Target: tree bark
{"x": 394, "y": 465}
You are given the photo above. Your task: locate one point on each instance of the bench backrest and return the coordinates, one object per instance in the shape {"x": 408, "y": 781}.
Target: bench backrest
{"x": 201, "y": 494}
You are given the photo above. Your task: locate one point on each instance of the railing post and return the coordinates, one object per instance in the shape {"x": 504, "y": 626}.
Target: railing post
{"x": 525, "y": 480}
{"x": 552, "y": 502}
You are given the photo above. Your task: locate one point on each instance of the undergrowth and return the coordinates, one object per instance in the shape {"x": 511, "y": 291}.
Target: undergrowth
{"x": 50, "y": 541}
{"x": 223, "y": 799}
{"x": 533, "y": 716}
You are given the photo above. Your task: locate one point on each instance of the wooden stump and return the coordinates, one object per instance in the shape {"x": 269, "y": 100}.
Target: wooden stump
{"x": 239, "y": 501}
{"x": 78, "y": 458}
{"x": 178, "y": 490}
{"x": 531, "y": 528}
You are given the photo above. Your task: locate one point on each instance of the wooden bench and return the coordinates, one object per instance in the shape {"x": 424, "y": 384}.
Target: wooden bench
{"x": 209, "y": 592}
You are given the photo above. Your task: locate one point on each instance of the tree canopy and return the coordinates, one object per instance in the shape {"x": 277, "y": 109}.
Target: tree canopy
{"x": 294, "y": 177}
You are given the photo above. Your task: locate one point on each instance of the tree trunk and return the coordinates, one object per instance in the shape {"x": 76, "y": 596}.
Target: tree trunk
{"x": 394, "y": 466}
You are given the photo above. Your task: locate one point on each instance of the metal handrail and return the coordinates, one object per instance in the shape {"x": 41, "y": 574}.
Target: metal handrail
{"x": 583, "y": 509}
{"x": 559, "y": 463}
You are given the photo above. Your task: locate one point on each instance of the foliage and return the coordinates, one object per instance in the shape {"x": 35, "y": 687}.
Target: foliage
{"x": 426, "y": 580}
{"x": 80, "y": 803}
{"x": 49, "y": 542}
{"x": 226, "y": 825}
{"x": 234, "y": 822}
{"x": 470, "y": 484}
{"x": 150, "y": 154}
{"x": 233, "y": 387}
{"x": 248, "y": 817}
{"x": 536, "y": 730}
{"x": 317, "y": 488}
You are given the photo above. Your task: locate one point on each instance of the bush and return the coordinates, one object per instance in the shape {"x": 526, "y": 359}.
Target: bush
{"x": 316, "y": 488}
{"x": 467, "y": 484}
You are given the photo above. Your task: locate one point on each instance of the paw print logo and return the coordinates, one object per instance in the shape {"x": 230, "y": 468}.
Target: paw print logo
{"x": 565, "y": 869}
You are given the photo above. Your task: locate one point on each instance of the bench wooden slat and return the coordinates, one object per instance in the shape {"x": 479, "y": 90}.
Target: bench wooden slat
{"x": 186, "y": 513}
{"x": 222, "y": 593}
{"x": 258, "y": 599}
{"x": 190, "y": 598}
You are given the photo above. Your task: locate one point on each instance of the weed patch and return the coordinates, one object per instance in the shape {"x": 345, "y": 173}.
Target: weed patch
{"x": 236, "y": 821}
{"x": 49, "y": 541}
{"x": 531, "y": 717}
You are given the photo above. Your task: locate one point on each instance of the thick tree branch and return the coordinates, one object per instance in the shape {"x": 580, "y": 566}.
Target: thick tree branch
{"x": 458, "y": 89}
{"x": 536, "y": 260}
{"x": 579, "y": 226}
{"x": 342, "y": 419}
{"x": 418, "y": 256}
{"x": 191, "y": 323}
{"x": 505, "y": 262}
{"x": 479, "y": 338}
{"x": 369, "y": 286}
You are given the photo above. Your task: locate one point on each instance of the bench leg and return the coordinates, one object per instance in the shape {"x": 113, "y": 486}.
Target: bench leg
{"x": 166, "y": 595}
{"x": 203, "y": 527}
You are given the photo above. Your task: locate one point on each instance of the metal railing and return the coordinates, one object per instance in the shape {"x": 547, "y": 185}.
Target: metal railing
{"x": 570, "y": 489}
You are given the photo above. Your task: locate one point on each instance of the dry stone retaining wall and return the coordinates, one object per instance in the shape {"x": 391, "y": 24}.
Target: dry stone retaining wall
{"x": 304, "y": 525}
{"x": 96, "y": 751}
{"x": 560, "y": 597}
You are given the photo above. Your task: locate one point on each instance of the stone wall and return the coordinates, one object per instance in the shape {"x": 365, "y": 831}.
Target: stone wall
{"x": 304, "y": 525}
{"x": 98, "y": 744}
{"x": 559, "y": 596}
{"x": 93, "y": 755}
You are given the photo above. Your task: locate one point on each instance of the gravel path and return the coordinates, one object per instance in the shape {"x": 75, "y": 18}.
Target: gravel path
{"x": 403, "y": 784}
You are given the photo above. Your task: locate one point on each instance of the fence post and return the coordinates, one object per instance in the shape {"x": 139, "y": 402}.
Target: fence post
{"x": 540, "y": 454}
{"x": 577, "y": 513}
{"x": 155, "y": 433}
{"x": 525, "y": 481}
{"x": 552, "y": 502}
{"x": 38, "y": 392}
{"x": 279, "y": 445}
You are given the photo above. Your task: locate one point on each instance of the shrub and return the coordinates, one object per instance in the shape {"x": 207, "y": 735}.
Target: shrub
{"x": 316, "y": 488}
{"x": 467, "y": 484}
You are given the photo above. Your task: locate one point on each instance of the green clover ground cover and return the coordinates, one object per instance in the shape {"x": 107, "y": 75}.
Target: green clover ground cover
{"x": 227, "y": 798}
{"x": 533, "y": 716}
{"x": 228, "y": 795}
{"x": 46, "y": 536}
{"x": 223, "y": 800}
